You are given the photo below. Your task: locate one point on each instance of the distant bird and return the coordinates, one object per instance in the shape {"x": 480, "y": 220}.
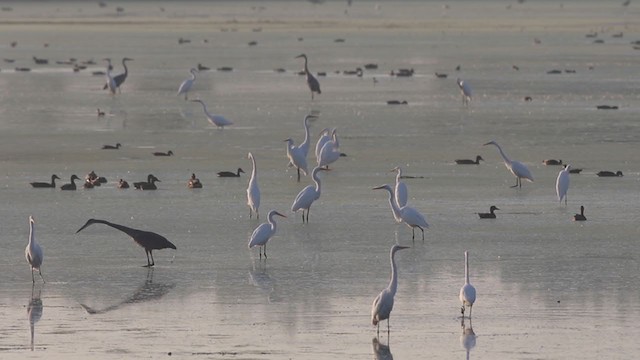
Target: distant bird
{"x": 314, "y": 85}
{"x": 110, "y": 82}
{"x": 518, "y": 169}
{"x": 187, "y": 84}
{"x": 33, "y": 252}
{"x": 467, "y": 292}
{"x": 575, "y": 171}
{"x": 264, "y": 232}
{"x": 410, "y": 216}
{"x": 230, "y": 174}
{"x": 491, "y": 214}
{"x": 401, "y": 192}
{"x": 253, "y": 191}
{"x": 562, "y": 184}
{"x": 308, "y": 195}
{"x": 383, "y": 303}
{"x": 120, "y": 78}
{"x": 72, "y": 184}
{"x": 469, "y": 161}
{"x": 580, "y": 217}
{"x": 202, "y": 67}
{"x": 194, "y": 182}
{"x": 296, "y": 157}
{"x": 111, "y": 147}
{"x": 148, "y": 240}
{"x": 52, "y": 184}
{"x": 148, "y": 185}
{"x": 609, "y": 173}
{"x": 88, "y": 184}
{"x": 465, "y": 90}
{"x": 123, "y": 184}
{"x": 160, "y": 153}
{"x": 552, "y": 162}
{"x": 214, "y": 119}
{"x": 100, "y": 113}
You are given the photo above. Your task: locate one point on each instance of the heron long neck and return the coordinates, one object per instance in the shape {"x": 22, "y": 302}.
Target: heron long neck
{"x": 204, "y": 107}
{"x": 504, "y": 156}
{"x": 394, "y": 206}
{"x": 393, "y": 284}
{"x": 124, "y": 64}
{"x": 127, "y": 230}
{"x": 466, "y": 268}
{"x": 306, "y": 69}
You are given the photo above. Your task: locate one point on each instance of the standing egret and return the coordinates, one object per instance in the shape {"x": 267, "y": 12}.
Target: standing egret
{"x": 467, "y": 292}
{"x": 330, "y": 152}
{"x": 401, "y": 192}
{"x": 308, "y": 195}
{"x": 580, "y": 217}
{"x": 264, "y": 232}
{"x": 52, "y": 184}
{"x": 111, "y": 83}
{"x": 217, "y": 120}
{"x": 187, "y": 84}
{"x": 562, "y": 184}
{"x": 304, "y": 146}
{"x": 313, "y": 83}
{"x": 410, "y": 216}
{"x": 253, "y": 191}
{"x": 465, "y": 90}
{"x": 296, "y": 157}
{"x": 518, "y": 169}
{"x": 325, "y": 135}
{"x": 383, "y": 303}
{"x": 148, "y": 240}
{"x": 33, "y": 252}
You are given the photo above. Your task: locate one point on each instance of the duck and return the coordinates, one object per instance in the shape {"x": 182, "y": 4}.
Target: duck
{"x": 100, "y": 113}
{"x": 397, "y": 102}
{"x": 194, "y": 182}
{"x": 580, "y": 217}
{"x": 88, "y": 184}
{"x": 52, "y": 184}
{"x": 111, "y": 147}
{"x": 159, "y": 153}
{"x": 230, "y": 173}
{"x": 148, "y": 185}
{"x": 609, "y": 173}
{"x": 469, "y": 161}
{"x": 122, "y": 184}
{"x": 491, "y": 214}
{"x": 552, "y": 162}
{"x": 72, "y": 184}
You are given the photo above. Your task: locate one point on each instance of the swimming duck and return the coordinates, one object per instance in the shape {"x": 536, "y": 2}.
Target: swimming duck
{"x": 489, "y": 215}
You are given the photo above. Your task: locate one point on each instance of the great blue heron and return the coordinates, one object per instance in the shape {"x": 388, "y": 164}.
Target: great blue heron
{"x": 313, "y": 83}
{"x": 120, "y": 78}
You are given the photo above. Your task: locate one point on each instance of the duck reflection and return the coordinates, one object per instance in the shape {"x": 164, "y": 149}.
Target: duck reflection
{"x": 147, "y": 292}
{"x": 261, "y": 279}
{"x": 468, "y": 337}
{"x": 34, "y": 312}
{"x": 381, "y": 351}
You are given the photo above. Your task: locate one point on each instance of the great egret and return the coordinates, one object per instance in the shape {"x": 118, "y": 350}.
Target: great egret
{"x": 308, "y": 195}
{"x": 518, "y": 169}
{"x": 72, "y": 184}
{"x": 469, "y": 161}
{"x": 580, "y": 217}
{"x": 122, "y": 184}
{"x": 296, "y": 157}
{"x": 111, "y": 84}
{"x": 467, "y": 292}
{"x": 325, "y": 135}
{"x": 187, "y": 84}
{"x": 161, "y": 153}
{"x": 264, "y": 232}
{"x": 253, "y": 191}
{"x": 401, "y": 192}
{"x": 491, "y": 214}
{"x": 52, "y": 184}
{"x": 120, "y": 78}
{"x": 111, "y": 147}
{"x": 216, "y": 120}
{"x": 230, "y": 174}
{"x": 383, "y": 303}
{"x": 304, "y": 146}
{"x": 330, "y": 152}
{"x": 609, "y": 173}
{"x": 147, "y": 185}
{"x": 562, "y": 184}
{"x": 194, "y": 182}
{"x": 148, "y": 240}
{"x": 552, "y": 162}
{"x": 313, "y": 83}
{"x": 33, "y": 252}
{"x": 465, "y": 91}
{"x": 410, "y": 216}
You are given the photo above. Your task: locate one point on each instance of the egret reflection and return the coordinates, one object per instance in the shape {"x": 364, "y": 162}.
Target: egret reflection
{"x": 260, "y": 278}
{"x": 468, "y": 337}
{"x": 34, "y": 312}
{"x": 381, "y": 351}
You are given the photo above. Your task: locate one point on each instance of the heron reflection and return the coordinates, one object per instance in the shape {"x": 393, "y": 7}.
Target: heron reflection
{"x": 34, "y": 311}
{"x": 381, "y": 351}
{"x": 149, "y": 291}
{"x": 468, "y": 337}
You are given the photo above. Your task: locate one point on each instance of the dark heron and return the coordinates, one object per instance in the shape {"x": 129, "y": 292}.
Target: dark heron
{"x": 491, "y": 214}
{"x": 71, "y": 185}
{"x": 230, "y": 173}
{"x": 52, "y": 184}
{"x": 148, "y": 240}
{"x": 313, "y": 83}
{"x": 120, "y": 78}
{"x": 469, "y": 161}
{"x": 148, "y": 185}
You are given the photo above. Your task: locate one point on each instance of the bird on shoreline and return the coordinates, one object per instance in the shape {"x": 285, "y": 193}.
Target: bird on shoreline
{"x": 33, "y": 252}
{"x": 383, "y": 303}
{"x": 52, "y": 184}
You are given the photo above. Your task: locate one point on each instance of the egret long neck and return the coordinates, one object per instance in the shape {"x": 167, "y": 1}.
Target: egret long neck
{"x": 393, "y": 284}
{"x": 31, "y": 234}
{"x": 504, "y": 156}
{"x": 399, "y": 175}
{"x": 316, "y": 180}
{"x": 466, "y": 268}
{"x": 272, "y": 222}
{"x": 254, "y": 169}
{"x": 394, "y": 206}
{"x": 305, "y": 143}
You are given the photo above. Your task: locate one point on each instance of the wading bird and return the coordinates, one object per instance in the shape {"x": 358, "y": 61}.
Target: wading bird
{"x": 401, "y": 192}
{"x": 383, "y": 303}
{"x": 264, "y": 232}
{"x": 304, "y": 146}
{"x": 33, "y": 252}
{"x": 308, "y": 195}
{"x": 120, "y": 78}
{"x": 313, "y": 83}
{"x": 253, "y": 191}
{"x": 491, "y": 214}
{"x": 71, "y": 185}
{"x": 187, "y": 84}
{"x": 562, "y": 184}
{"x": 580, "y": 217}
{"x": 296, "y": 157}
{"x": 467, "y": 292}
{"x": 469, "y": 161}
{"x": 330, "y": 151}
{"x": 230, "y": 174}
{"x": 150, "y": 184}
{"x": 52, "y": 184}
{"x": 148, "y": 240}
{"x": 214, "y": 119}
{"x": 518, "y": 169}
{"x": 325, "y": 135}
{"x": 465, "y": 91}
{"x": 410, "y": 216}
{"x": 111, "y": 83}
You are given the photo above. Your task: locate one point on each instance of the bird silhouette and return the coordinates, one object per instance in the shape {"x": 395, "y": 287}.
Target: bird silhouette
{"x": 52, "y": 184}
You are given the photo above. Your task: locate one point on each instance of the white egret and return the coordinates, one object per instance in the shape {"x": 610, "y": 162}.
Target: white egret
{"x": 465, "y": 90}
{"x": 325, "y": 135}
{"x": 216, "y": 120}
{"x": 330, "y": 152}
{"x": 33, "y": 252}
{"x": 111, "y": 83}
{"x": 313, "y": 83}
{"x": 253, "y": 191}
{"x": 491, "y": 214}
{"x": 383, "y": 303}
{"x": 264, "y": 232}
{"x": 187, "y": 84}
{"x": 580, "y": 217}
{"x": 518, "y": 169}
{"x": 410, "y": 216}
{"x": 467, "y": 292}
{"x": 296, "y": 157}
{"x": 308, "y": 195}
{"x": 401, "y": 192}
{"x": 562, "y": 184}
{"x": 304, "y": 146}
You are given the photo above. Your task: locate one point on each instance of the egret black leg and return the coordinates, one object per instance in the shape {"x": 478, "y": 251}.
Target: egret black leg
{"x": 33, "y": 279}
{"x": 40, "y": 272}
{"x": 421, "y": 229}
{"x": 298, "y": 174}
{"x": 413, "y": 233}
{"x": 265, "y": 251}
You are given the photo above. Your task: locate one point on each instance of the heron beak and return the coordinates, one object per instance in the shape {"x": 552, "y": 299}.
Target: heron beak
{"x": 83, "y": 226}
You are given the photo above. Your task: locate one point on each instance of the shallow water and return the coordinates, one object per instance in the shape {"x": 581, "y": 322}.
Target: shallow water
{"x": 547, "y": 287}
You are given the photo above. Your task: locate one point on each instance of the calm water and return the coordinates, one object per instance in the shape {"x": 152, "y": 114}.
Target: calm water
{"x": 548, "y": 288}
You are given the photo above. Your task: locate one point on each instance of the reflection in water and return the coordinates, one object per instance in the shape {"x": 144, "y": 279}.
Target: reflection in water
{"x": 468, "y": 337}
{"x": 262, "y": 280}
{"x": 381, "y": 351}
{"x": 34, "y": 311}
{"x": 147, "y": 292}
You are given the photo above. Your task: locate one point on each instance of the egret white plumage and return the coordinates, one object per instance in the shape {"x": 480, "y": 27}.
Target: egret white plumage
{"x": 304, "y": 146}
{"x": 214, "y": 119}
{"x": 264, "y": 232}
{"x": 383, "y": 303}
{"x": 253, "y": 191}
{"x": 308, "y": 195}
{"x": 33, "y": 252}
{"x": 325, "y": 135}
{"x": 467, "y": 292}
{"x": 187, "y": 84}
{"x": 518, "y": 169}
{"x": 111, "y": 84}
{"x": 313, "y": 83}
{"x": 296, "y": 157}
{"x": 401, "y": 192}
{"x": 410, "y": 216}
{"x": 562, "y": 184}
{"x": 465, "y": 90}
{"x": 330, "y": 151}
